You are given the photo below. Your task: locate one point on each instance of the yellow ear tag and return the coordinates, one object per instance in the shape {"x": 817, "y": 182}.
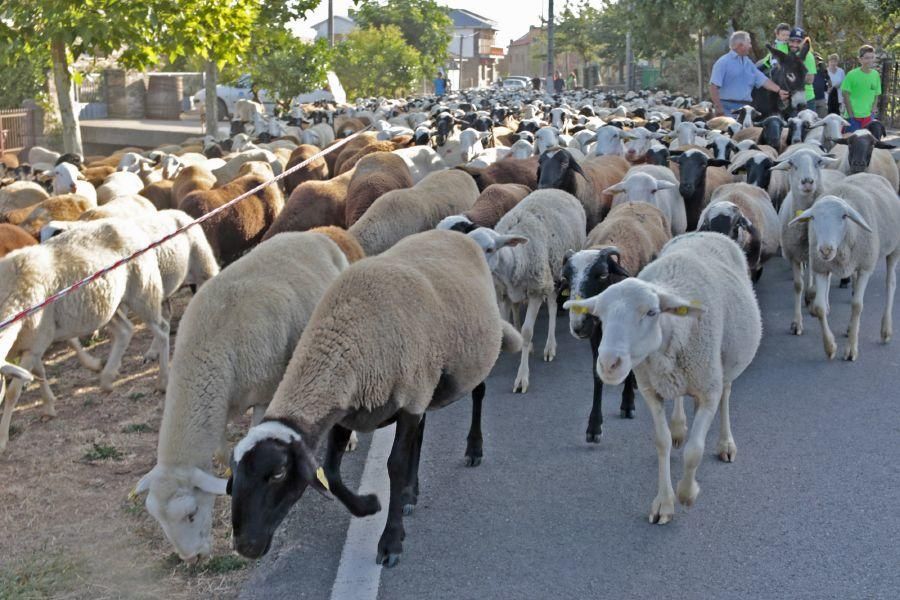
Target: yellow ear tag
{"x": 132, "y": 496}
{"x": 579, "y": 310}
{"x": 228, "y": 472}
{"x": 565, "y": 293}
{"x": 798, "y": 213}
{"x": 320, "y": 475}
{"x": 681, "y": 310}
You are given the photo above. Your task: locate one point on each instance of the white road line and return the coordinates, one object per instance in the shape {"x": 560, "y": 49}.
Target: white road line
{"x": 358, "y": 575}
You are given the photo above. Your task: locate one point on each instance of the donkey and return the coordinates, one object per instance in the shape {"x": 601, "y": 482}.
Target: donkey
{"x": 790, "y": 75}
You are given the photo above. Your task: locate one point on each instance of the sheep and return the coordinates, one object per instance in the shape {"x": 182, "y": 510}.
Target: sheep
{"x": 43, "y": 156}
{"x": 521, "y": 149}
{"x": 838, "y": 248}
{"x": 544, "y": 138}
{"x": 654, "y": 185}
{"x": 244, "y": 109}
{"x": 349, "y": 162}
{"x": 120, "y": 183}
{"x": 346, "y": 242}
{"x": 190, "y": 179}
{"x": 241, "y": 227}
{"x": 314, "y": 204}
{"x": 67, "y": 207}
{"x": 827, "y": 129}
{"x": 508, "y": 170}
{"x": 321, "y": 135}
{"x": 489, "y": 156}
{"x": 689, "y": 323}
{"x": 347, "y": 126}
{"x": 67, "y": 179}
{"x": 327, "y": 390}
{"x": 231, "y": 170}
{"x": 421, "y": 160}
{"x": 123, "y": 207}
{"x": 558, "y": 169}
{"x": 375, "y": 175}
{"x": 609, "y": 141}
{"x": 160, "y": 194}
{"x": 96, "y": 175}
{"x": 403, "y": 212}
{"x": 639, "y": 141}
{"x": 699, "y": 178}
{"x": 755, "y": 166}
{"x": 317, "y": 170}
{"x": 865, "y": 154}
{"x": 471, "y": 143}
{"x": 623, "y": 244}
{"x": 526, "y": 252}
{"x": 335, "y": 159}
{"x": 745, "y": 213}
{"x": 35, "y": 272}
{"x": 231, "y": 357}
{"x": 21, "y": 194}
{"x": 13, "y": 237}
{"x": 495, "y": 201}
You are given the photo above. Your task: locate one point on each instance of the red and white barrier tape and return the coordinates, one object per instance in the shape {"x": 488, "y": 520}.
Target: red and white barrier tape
{"x": 68, "y": 290}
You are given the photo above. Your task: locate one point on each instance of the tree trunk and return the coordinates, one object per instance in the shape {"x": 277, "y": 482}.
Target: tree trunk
{"x": 700, "y": 68}
{"x": 212, "y": 113}
{"x": 65, "y": 97}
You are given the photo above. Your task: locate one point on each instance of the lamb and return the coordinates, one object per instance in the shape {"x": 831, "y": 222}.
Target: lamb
{"x": 120, "y": 183}
{"x": 421, "y": 160}
{"x": 841, "y": 249}
{"x": 864, "y": 154}
{"x": 376, "y": 174}
{"x": 13, "y": 237}
{"x": 401, "y": 213}
{"x": 231, "y": 357}
{"x": 689, "y": 323}
{"x": 654, "y": 185}
{"x": 508, "y": 170}
{"x": 623, "y": 244}
{"x": 314, "y": 204}
{"x": 241, "y": 227}
{"x": 35, "y": 272}
{"x": 558, "y": 169}
{"x": 698, "y": 181}
{"x": 745, "y": 213}
{"x": 333, "y": 384}
{"x": 526, "y": 252}
{"x": 495, "y": 201}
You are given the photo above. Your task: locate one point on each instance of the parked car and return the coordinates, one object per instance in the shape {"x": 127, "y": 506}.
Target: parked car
{"x": 229, "y": 94}
{"x": 516, "y": 83}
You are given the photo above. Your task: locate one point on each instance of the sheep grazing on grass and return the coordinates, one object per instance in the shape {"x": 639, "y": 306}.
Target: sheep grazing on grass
{"x": 850, "y": 229}
{"x": 623, "y": 244}
{"x": 526, "y": 252}
{"x": 688, "y": 324}
{"x": 314, "y": 204}
{"x": 425, "y": 359}
{"x": 231, "y": 357}
{"x": 376, "y": 174}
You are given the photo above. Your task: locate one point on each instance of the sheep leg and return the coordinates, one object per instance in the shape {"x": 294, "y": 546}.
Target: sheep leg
{"x": 121, "y": 330}
{"x": 259, "y": 411}
{"x": 474, "y": 441}
{"x": 49, "y": 406}
{"x": 595, "y": 420}
{"x": 810, "y": 295}
{"x": 688, "y": 488}
{"x": 856, "y": 308}
{"x": 13, "y": 391}
{"x": 390, "y": 546}
{"x": 358, "y": 505}
{"x": 887, "y": 324}
{"x": 626, "y": 410}
{"x": 410, "y": 496}
{"x": 821, "y": 311}
{"x": 727, "y": 450}
{"x": 663, "y": 508}
{"x": 550, "y": 346}
{"x": 84, "y": 357}
{"x": 534, "y": 305}
{"x": 797, "y": 323}
{"x": 160, "y": 331}
{"x": 679, "y": 423}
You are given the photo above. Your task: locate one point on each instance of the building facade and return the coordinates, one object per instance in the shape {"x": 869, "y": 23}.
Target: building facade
{"x": 342, "y": 27}
{"x": 473, "y": 51}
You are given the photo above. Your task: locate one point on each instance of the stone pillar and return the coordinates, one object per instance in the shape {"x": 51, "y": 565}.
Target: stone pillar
{"x": 34, "y": 125}
{"x": 126, "y": 94}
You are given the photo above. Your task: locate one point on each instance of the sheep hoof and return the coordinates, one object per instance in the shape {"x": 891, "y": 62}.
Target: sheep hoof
{"x": 626, "y": 413}
{"x": 845, "y": 282}
{"x": 796, "y": 328}
{"x": 352, "y": 443}
{"x": 521, "y": 385}
{"x": 388, "y": 560}
{"x": 408, "y": 509}
{"x": 851, "y": 354}
{"x": 727, "y": 451}
{"x": 106, "y": 382}
{"x": 830, "y": 350}
{"x": 549, "y": 353}
{"x": 93, "y": 364}
{"x": 48, "y": 416}
{"x": 368, "y": 504}
{"x": 662, "y": 510}
{"x": 679, "y": 434}
{"x": 688, "y": 491}
{"x": 473, "y": 460}
{"x": 592, "y": 438}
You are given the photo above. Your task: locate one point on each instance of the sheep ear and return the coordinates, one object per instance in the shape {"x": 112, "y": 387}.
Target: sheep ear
{"x": 583, "y": 306}
{"x": 308, "y": 470}
{"x": 208, "y": 483}
{"x": 802, "y": 216}
{"x": 144, "y": 484}
{"x": 782, "y": 166}
{"x": 718, "y": 162}
{"x": 510, "y": 240}
{"x": 661, "y": 184}
{"x": 857, "y": 218}
{"x": 827, "y": 160}
{"x": 884, "y": 146}
{"x": 614, "y": 189}
{"x": 675, "y": 305}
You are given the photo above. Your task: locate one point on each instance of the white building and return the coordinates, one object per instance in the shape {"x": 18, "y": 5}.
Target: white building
{"x": 473, "y": 42}
{"x": 342, "y": 27}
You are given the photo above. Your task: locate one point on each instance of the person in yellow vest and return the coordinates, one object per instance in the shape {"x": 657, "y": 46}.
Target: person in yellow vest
{"x": 782, "y": 32}
{"x": 861, "y": 88}
{"x": 795, "y": 42}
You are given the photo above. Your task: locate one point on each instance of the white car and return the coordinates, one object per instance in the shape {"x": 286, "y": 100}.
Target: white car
{"x": 228, "y": 95}
{"x": 511, "y": 83}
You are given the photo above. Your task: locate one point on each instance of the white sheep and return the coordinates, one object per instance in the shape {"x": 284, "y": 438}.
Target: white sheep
{"x": 366, "y": 359}
{"x": 67, "y": 179}
{"x": 231, "y": 356}
{"x": 521, "y": 149}
{"x": 321, "y": 135}
{"x": 688, "y": 324}
{"x": 470, "y": 144}
{"x": 21, "y": 194}
{"x": 545, "y": 138}
{"x": 231, "y": 169}
{"x": 421, "y": 161}
{"x": 844, "y": 250}
{"x": 657, "y": 186}
{"x": 120, "y": 183}
{"x": 526, "y": 252}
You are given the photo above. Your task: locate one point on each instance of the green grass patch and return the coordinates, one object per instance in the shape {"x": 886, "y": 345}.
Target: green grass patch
{"x": 217, "y": 565}
{"x": 15, "y": 430}
{"x": 136, "y": 396}
{"x": 102, "y": 452}
{"x": 41, "y": 575}
{"x": 137, "y": 428}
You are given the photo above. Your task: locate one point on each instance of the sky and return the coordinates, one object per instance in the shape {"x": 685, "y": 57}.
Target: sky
{"x": 512, "y": 16}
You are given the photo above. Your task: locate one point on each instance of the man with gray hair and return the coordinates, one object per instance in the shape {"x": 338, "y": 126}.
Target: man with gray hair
{"x": 734, "y": 76}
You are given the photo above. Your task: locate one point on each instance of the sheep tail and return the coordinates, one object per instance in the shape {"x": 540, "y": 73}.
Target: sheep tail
{"x": 512, "y": 341}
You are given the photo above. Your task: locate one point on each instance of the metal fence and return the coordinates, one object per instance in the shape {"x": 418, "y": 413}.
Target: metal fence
{"x": 889, "y": 103}
{"x": 12, "y": 129}
{"x": 90, "y": 90}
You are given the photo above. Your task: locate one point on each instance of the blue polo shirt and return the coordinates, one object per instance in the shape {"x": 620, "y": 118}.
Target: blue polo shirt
{"x": 736, "y": 76}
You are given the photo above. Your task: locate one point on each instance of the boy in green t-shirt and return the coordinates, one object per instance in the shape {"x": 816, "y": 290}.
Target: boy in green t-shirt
{"x": 861, "y": 88}
{"x": 782, "y": 32}
{"x": 795, "y": 42}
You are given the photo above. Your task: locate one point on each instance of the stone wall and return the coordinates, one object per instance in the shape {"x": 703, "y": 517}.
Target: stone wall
{"x": 126, "y": 94}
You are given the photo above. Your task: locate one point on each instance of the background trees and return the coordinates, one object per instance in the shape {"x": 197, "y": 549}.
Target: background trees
{"x": 377, "y": 61}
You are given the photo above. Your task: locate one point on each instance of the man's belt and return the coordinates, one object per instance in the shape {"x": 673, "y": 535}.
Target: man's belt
{"x": 736, "y": 101}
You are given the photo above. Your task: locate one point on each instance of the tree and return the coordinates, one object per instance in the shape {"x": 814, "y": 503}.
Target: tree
{"x": 578, "y": 31}
{"x": 377, "y": 62}
{"x": 286, "y": 66}
{"x": 424, "y": 24}
{"x": 23, "y": 75}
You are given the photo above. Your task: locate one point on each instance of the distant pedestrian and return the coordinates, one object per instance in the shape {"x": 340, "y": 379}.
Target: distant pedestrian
{"x": 440, "y": 85}
{"x": 861, "y": 88}
{"x": 571, "y": 81}
{"x": 836, "y": 75}
{"x": 536, "y": 84}
{"x": 820, "y": 87}
{"x": 559, "y": 83}
{"x": 734, "y": 76}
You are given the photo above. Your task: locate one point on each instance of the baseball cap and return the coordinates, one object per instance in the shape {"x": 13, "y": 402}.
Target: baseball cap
{"x": 797, "y": 33}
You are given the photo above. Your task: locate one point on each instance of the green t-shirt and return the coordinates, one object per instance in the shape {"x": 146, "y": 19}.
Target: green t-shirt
{"x": 810, "y": 63}
{"x": 862, "y": 88}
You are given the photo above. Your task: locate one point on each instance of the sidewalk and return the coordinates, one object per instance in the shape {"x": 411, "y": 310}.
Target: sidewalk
{"x": 105, "y": 134}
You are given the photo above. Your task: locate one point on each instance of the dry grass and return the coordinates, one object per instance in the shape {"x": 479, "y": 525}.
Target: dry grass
{"x": 69, "y": 528}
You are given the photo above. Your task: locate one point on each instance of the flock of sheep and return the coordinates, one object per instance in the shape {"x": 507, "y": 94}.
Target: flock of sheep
{"x": 397, "y": 269}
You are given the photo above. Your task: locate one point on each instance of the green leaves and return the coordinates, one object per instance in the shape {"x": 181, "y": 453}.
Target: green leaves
{"x": 377, "y": 62}
{"x": 286, "y": 66}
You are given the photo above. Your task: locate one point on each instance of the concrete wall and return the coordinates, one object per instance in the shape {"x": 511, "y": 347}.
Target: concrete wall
{"x": 126, "y": 94}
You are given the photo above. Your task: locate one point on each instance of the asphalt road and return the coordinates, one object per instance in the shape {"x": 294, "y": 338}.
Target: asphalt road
{"x": 808, "y": 510}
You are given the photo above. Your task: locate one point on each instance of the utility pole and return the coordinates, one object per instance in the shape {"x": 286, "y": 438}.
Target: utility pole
{"x": 550, "y": 58}
{"x": 798, "y": 13}
{"x": 629, "y": 63}
{"x": 331, "y": 23}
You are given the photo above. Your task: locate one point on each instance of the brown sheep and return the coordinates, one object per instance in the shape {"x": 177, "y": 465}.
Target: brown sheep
{"x": 508, "y": 170}
{"x": 334, "y": 159}
{"x": 345, "y": 241}
{"x": 68, "y": 207}
{"x": 351, "y": 162}
{"x": 317, "y": 170}
{"x": 96, "y": 175}
{"x": 13, "y": 238}
{"x": 236, "y": 230}
{"x": 495, "y": 201}
{"x": 375, "y": 174}
{"x": 347, "y": 126}
{"x": 191, "y": 179}
{"x": 10, "y": 161}
{"x": 160, "y": 194}
{"x": 314, "y": 204}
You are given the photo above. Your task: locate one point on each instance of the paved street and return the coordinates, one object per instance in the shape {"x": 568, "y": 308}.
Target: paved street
{"x": 807, "y": 511}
